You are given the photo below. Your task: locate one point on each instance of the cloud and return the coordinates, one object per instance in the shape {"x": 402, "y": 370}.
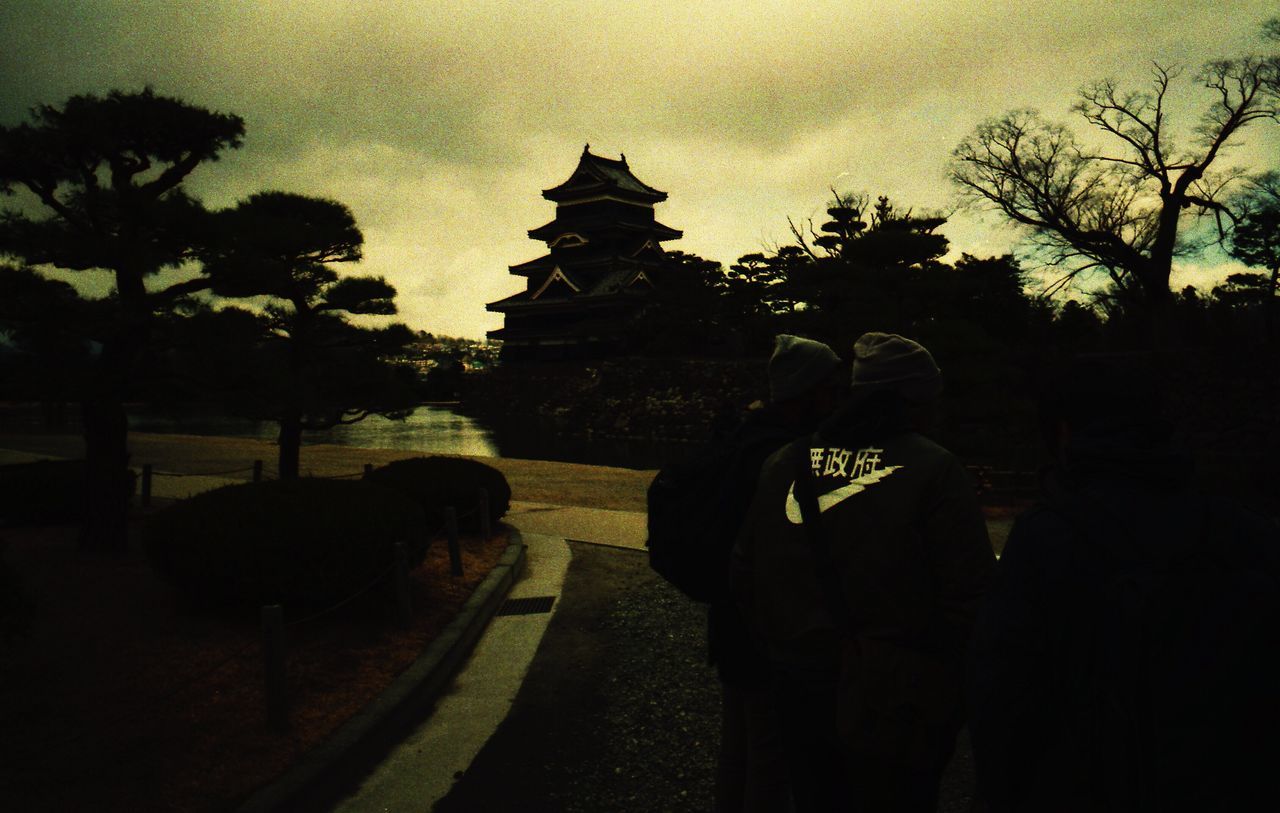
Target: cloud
{"x": 439, "y": 123}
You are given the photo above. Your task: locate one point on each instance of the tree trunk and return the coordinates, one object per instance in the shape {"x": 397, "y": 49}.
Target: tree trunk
{"x": 1269, "y": 314}
{"x": 290, "y": 442}
{"x": 1155, "y": 313}
{"x": 106, "y": 498}
{"x": 106, "y": 433}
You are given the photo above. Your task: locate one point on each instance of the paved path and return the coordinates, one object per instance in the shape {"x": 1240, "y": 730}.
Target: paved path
{"x": 425, "y": 765}
{"x": 599, "y": 526}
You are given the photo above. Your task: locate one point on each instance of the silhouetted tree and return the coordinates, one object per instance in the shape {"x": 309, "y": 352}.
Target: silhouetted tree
{"x": 863, "y": 270}
{"x": 46, "y": 328}
{"x": 988, "y": 291}
{"x": 685, "y": 312}
{"x": 1256, "y": 242}
{"x": 316, "y": 369}
{"x": 1078, "y": 326}
{"x": 1121, "y": 210}
{"x": 762, "y": 283}
{"x": 837, "y": 236}
{"x": 107, "y": 174}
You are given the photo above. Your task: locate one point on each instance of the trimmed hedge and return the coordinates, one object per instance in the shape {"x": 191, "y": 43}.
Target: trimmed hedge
{"x": 48, "y": 492}
{"x": 438, "y": 482}
{"x": 303, "y": 542}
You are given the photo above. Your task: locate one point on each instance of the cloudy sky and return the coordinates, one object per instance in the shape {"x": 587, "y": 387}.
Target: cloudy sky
{"x": 439, "y": 123}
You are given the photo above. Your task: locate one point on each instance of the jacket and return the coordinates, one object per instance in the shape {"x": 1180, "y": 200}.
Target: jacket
{"x": 905, "y": 532}
{"x": 731, "y": 648}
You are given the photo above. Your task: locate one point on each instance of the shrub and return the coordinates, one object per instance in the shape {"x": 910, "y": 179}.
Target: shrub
{"x": 47, "y": 492}
{"x": 299, "y": 542}
{"x": 437, "y": 482}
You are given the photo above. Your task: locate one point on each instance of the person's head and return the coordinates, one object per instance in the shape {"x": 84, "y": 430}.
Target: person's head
{"x": 803, "y": 376}
{"x": 891, "y": 368}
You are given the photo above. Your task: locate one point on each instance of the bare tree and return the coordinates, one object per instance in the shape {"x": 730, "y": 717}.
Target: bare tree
{"x": 1121, "y": 209}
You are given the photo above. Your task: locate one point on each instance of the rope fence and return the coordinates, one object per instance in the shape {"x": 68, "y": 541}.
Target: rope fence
{"x": 344, "y": 602}
{"x": 272, "y": 645}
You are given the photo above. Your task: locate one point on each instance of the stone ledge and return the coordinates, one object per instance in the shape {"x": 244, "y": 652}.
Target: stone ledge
{"x": 332, "y": 768}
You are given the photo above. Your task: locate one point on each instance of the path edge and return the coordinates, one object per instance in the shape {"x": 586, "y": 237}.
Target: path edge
{"x": 332, "y": 768}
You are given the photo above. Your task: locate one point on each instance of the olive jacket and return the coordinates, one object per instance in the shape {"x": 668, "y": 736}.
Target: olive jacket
{"x": 905, "y": 533}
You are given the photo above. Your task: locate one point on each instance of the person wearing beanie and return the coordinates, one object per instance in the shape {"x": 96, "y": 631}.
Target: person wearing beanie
{"x": 888, "y": 361}
{"x": 797, "y": 366}
{"x": 805, "y": 384}
{"x": 860, "y": 567}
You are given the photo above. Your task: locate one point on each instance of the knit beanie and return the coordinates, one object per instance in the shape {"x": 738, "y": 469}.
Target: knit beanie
{"x": 889, "y": 361}
{"x": 797, "y": 365}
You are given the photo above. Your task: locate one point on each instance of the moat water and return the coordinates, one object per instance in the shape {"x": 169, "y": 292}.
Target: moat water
{"x": 429, "y": 430}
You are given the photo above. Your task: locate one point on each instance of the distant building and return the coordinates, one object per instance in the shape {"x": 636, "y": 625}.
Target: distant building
{"x": 604, "y": 257}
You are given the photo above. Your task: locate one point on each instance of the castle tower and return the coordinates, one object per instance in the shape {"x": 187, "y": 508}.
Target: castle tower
{"x": 604, "y": 256}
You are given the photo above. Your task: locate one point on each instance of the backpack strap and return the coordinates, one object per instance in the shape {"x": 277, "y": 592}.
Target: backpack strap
{"x": 833, "y": 599}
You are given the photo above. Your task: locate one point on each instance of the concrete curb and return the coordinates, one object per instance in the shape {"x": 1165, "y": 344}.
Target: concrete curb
{"x": 330, "y": 769}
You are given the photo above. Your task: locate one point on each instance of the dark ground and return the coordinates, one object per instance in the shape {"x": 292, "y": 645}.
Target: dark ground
{"x": 619, "y": 711}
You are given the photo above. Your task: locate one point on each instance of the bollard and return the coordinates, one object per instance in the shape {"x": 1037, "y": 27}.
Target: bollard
{"x": 486, "y": 529}
{"x": 368, "y": 469}
{"x": 146, "y": 484}
{"x": 273, "y": 662}
{"x": 404, "y": 604}
{"x": 257, "y": 471}
{"x": 451, "y": 529}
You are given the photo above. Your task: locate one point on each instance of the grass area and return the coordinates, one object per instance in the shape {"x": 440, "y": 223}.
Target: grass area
{"x": 111, "y": 699}
{"x": 538, "y": 481}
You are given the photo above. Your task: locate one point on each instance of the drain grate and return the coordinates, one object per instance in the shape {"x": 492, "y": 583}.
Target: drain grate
{"x": 531, "y": 605}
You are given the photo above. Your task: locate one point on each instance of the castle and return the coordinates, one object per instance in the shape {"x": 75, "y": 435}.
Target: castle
{"x": 604, "y": 257}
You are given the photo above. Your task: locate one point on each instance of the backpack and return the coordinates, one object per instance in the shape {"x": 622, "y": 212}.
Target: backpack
{"x": 1180, "y": 702}
{"x": 696, "y": 508}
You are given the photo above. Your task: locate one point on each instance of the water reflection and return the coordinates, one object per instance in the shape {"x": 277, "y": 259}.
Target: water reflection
{"x": 431, "y": 430}
{"x": 533, "y": 438}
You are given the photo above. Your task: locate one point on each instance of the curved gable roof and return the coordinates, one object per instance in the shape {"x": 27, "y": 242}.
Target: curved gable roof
{"x": 555, "y": 276}
{"x": 596, "y": 175}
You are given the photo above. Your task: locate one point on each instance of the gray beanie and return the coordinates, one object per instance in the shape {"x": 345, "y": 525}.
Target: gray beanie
{"x": 797, "y": 366}
{"x": 887, "y": 360}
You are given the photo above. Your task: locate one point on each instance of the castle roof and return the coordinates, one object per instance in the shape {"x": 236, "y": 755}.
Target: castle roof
{"x": 619, "y": 274}
{"x": 596, "y": 175}
{"x": 551, "y": 230}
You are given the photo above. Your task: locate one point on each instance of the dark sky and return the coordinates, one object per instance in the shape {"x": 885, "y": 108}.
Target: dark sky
{"x": 440, "y": 122}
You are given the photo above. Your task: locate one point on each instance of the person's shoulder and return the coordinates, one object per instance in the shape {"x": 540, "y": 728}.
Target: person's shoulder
{"x": 924, "y": 446}
{"x": 939, "y": 464}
